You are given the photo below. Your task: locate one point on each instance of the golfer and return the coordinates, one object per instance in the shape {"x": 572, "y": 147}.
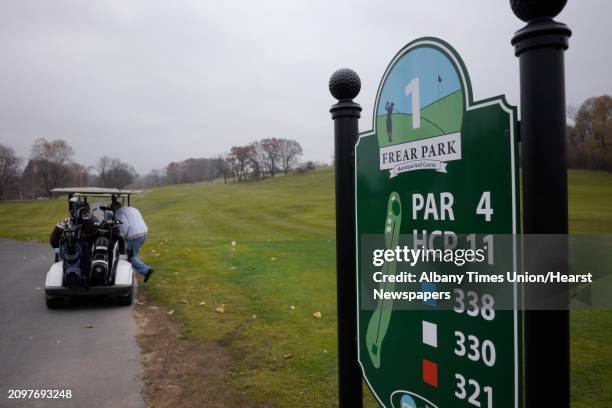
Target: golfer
{"x": 134, "y": 229}
{"x": 389, "y": 106}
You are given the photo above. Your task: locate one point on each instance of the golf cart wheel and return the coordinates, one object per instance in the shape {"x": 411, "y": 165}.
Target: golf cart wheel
{"x": 54, "y": 302}
{"x": 127, "y": 299}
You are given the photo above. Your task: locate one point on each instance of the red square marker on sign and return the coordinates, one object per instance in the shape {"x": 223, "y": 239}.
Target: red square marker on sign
{"x": 430, "y": 372}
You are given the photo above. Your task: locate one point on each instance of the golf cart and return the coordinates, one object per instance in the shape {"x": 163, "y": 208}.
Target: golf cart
{"x": 91, "y": 257}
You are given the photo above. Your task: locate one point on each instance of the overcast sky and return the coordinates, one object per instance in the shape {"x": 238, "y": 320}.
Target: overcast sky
{"x": 151, "y": 81}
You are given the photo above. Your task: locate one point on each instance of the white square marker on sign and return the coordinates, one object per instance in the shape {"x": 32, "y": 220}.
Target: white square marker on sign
{"x": 430, "y": 334}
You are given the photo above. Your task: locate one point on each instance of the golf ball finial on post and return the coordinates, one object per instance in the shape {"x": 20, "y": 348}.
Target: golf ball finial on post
{"x": 528, "y": 10}
{"x": 344, "y": 84}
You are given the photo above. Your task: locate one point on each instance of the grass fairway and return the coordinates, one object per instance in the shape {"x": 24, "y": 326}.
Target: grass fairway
{"x": 261, "y": 293}
{"x": 435, "y": 120}
{"x": 590, "y": 198}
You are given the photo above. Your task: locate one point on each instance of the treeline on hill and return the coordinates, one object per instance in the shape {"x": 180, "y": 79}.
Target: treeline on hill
{"x": 255, "y": 161}
{"x": 590, "y": 136}
{"x": 51, "y": 165}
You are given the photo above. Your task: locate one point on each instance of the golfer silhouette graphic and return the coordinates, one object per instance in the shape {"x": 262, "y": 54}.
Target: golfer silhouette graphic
{"x": 389, "y": 106}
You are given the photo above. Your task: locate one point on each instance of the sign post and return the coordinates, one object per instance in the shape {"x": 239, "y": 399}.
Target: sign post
{"x": 436, "y": 165}
{"x": 540, "y": 46}
{"x": 345, "y": 85}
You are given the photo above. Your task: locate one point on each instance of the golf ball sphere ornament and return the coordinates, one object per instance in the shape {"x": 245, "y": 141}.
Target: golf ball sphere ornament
{"x": 344, "y": 84}
{"x": 528, "y": 10}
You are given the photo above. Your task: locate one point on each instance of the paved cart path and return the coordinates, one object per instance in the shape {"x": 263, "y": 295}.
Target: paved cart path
{"x": 54, "y": 349}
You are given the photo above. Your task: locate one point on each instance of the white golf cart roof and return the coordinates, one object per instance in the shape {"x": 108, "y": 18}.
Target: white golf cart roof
{"x": 94, "y": 191}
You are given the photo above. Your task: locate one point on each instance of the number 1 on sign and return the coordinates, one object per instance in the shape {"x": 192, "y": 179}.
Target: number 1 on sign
{"x": 413, "y": 89}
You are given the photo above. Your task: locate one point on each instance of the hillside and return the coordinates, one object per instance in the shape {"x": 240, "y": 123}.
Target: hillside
{"x": 281, "y": 269}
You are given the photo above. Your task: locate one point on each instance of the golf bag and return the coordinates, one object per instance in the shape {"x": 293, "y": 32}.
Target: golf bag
{"x": 100, "y": 262}
{"x": 71, "y": 254}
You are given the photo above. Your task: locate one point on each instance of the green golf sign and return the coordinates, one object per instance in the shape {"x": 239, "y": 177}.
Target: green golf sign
{"x": 437, "y": 167}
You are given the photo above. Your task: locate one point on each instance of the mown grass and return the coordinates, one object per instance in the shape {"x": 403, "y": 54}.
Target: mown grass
{"x": 281, "y": 269}
{"x": 590, "y": 207}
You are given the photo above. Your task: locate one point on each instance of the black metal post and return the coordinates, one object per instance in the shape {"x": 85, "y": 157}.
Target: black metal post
{"x": 540, "y": 47}
{"x": 345, "y": 85}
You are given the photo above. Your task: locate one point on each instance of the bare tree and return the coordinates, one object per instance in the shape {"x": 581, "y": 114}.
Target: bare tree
{"x": 232, "y": 165}
{"x": 259, "y": 159}
{"x": 79, "y": 175}
{"x": 114, "y": 173}
{"x": 222, "y": 167}
{"x": 602, "y": 122}
{"x": 272, "y": 148}
{"x": 173, "y": 173}
{"x": 290, "y": 151}
{"x": 9, "y": 169}
{"x": 156, "y": 176}
{"x": 242, "y": 156}
{"x": 49, "y": 163}
{"x": 584, "y": 122}
{"x": 594, "y": 122}
{"x": 103, "y": 167}
{"x": 572, "y": 113}
{"x": 590, "y": 137}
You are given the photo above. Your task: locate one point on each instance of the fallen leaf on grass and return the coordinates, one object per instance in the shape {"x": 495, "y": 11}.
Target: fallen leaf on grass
{"x": 233, "y": 243}
{"x": 171, "y": 312}
{"x": 287, "y": 356}
{"x": 185, "y": 301}
{"x": 139, "y": 303}
{"x": 254, "y": 316}
{"x": 202, "y": 303}
{"x": 292, "y": 307}
{"x": 220, "y": 309}
{"x": 317, "y": 315}
{"x": 273, "y": 259}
